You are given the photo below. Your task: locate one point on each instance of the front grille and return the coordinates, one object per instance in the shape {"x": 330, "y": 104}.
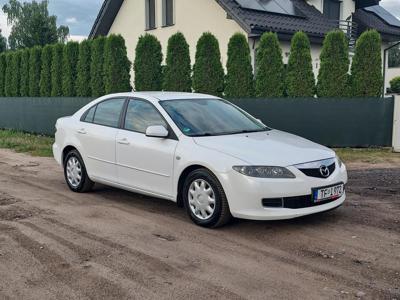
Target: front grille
{"x": 293, "y": 202}
{"x": 317, "y": 173}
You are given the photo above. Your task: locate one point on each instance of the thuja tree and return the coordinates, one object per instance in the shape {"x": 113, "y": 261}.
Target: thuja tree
{"x": 24, "y": 74}
{"x": 116, "y": 65}
{"x": 97, "y": 67}
{"x": 56, "y": 70}
{"x": 35, "y": 66}
{"x": 177, "y": 72}
{"x": 3, "y": 67}
{"x": 333, "y": 73}
{"x": 15, "y": 76}
{"x": 300, "y": 81}
{"x": 8, "y": 74}
{"x": 45, "y": 73}
{"x": 366, "y": 69}
{"x": 83, "y": 77}
{"x": 269, "y": 67}
{"x": 69, "y": 71}
{"x": 239, "y": 77}
{"x": 147, "y": 65}
{"x": 208, "y": 73}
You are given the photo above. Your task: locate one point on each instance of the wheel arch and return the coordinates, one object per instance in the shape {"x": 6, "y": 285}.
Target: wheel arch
{"x": 66, "y": 150}
{"x": 182, "y": 177}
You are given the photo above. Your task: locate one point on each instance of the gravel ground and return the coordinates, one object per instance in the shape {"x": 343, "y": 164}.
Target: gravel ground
{"x": 112, "y": 244}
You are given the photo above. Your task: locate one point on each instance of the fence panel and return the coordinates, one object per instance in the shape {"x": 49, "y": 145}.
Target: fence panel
{"x": 346, "y": 122}
{"x": 342, "y": 122}
{"x": 37, "y": 115}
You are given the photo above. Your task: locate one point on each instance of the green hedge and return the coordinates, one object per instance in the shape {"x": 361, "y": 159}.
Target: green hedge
{"x": 45, "y": 74}
{"x": 35, "y": 67}
{"x": 70, "y": 61}
{"x": 2, "y": 73}
{"x": 208, "y": 73}
{"x": 177, "y": 74}
{"x": 239, "y": 77}
{"x": 366, "y": 70}
{"x": 117, "y": 66}
{"x": 24, "y": 74}
{"x": 100, "y": 66}
{"x": 83, "y": 69}
{"x": 57, "y": 70}
{"x": 333, "y": 77}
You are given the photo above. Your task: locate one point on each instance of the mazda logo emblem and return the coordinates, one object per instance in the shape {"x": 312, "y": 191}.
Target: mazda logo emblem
{"x": 324, "y": 171}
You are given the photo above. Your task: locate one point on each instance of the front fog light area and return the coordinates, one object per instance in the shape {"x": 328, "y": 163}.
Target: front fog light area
{"x": 264, "y": 172}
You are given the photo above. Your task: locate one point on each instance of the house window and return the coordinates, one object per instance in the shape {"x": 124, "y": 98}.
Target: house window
{"x": 332, "y": 9}
{"x": 168, "y": 12}
{"x": 394, "y": 57}
{"x": 150, "y": 14}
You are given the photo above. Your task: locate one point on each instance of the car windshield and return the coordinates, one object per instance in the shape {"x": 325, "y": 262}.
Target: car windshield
{"x": 210, "y": 117}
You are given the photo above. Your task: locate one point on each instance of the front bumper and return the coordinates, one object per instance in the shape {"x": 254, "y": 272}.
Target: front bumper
{"x": 245, "y": 194}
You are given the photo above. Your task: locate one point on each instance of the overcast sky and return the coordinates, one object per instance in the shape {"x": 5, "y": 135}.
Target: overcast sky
{"x": 79, "y": 15}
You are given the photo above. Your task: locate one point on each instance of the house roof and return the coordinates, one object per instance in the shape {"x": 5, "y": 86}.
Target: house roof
{"x": 255, "y": 23}
{"x": 106, "y": 17}
{"x": 315, "y": 24}
{"x": 368, "y": 20}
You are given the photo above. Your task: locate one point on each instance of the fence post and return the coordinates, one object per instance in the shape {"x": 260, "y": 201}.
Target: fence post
{"x": 396, "y": 124}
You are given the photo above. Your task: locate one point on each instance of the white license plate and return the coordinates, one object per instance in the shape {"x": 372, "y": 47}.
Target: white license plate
{"x": 328, "y": 193}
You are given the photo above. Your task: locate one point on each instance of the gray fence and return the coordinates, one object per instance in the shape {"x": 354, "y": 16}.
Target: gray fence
{"x": 347, "y": 122}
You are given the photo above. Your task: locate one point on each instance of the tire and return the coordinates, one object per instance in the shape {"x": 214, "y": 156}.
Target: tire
{"x": 85, "y": 184}
{"x": 202, "y": 189}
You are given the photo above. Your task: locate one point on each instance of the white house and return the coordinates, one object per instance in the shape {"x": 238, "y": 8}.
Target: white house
{"x": 162, "y": 18}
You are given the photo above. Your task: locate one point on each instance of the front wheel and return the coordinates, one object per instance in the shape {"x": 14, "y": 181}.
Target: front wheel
{"x": 205, "y": 200}
{"x": 75, "y": 173}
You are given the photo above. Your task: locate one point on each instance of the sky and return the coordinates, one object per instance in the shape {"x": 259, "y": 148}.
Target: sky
{"x": 80, "y": 15}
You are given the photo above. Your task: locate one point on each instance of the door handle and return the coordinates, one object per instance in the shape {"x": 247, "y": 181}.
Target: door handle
{"x": 81, "y": 131}
{"x": 123, "y": 142}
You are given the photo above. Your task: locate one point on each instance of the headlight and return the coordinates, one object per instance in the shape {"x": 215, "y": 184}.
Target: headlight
{"x": 340, "y": 163}
{"x": 264, "y": 172}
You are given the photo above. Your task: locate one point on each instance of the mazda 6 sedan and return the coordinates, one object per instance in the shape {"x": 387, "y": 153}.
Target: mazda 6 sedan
{"x": 200, "y": 151}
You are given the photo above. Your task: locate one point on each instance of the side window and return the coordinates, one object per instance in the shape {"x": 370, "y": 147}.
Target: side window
{"x": 140, "y": 115}
{"x": 168, "y": 12}
{"x": 90, "y": 115}
{"x": 150, "y": 14}
{"x": 108, "y": 112}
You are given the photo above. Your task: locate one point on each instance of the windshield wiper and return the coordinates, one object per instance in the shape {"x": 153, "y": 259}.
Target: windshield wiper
{"x": 203, "y": 134}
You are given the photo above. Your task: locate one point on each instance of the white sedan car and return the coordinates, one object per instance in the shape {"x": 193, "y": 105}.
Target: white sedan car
{"x": 200, "y": 151}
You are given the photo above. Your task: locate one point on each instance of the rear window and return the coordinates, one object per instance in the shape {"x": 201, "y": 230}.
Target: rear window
{"x": 108, "y": 113}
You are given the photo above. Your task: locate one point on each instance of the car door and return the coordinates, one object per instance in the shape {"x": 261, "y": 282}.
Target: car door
{"x": 97, "y": 132}
{"x": 145, "y": 163}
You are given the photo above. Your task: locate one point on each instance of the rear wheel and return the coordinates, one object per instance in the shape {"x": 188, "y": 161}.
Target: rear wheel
{"x": 205, "y": 200}
{"x": 75, "y": 173}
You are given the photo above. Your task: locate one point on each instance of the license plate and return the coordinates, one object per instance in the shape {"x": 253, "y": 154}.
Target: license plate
{"x": 328, "y": 193}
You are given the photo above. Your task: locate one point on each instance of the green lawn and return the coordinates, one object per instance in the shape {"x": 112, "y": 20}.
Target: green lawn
{"x": 35, "y": 145}
{"x": 38, "y": 145}
{"x": 368, "y": 155}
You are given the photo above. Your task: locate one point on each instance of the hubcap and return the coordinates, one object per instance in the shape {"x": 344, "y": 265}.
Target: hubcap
{"x": 74, "y": 171}
{"x": 201, "y": 199}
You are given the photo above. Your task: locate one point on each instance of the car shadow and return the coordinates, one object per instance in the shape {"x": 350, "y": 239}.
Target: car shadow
{"x": 169, "y": 208}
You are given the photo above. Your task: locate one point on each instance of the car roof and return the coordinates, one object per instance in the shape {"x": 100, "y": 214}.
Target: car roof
{"x": 163, "y": 96}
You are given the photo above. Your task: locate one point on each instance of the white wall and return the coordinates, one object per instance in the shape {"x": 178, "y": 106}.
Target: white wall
{"x": 192, "y": 18}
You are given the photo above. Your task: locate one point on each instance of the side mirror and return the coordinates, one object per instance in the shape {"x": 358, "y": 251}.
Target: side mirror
{"x": 158, "y": 131}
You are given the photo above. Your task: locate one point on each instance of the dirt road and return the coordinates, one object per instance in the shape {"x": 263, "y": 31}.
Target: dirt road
{"x": 113, "y": 244}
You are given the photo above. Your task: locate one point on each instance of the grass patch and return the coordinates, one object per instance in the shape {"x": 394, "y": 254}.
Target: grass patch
{"x": 36, "y": 145}
{"x": 368, "y": 155}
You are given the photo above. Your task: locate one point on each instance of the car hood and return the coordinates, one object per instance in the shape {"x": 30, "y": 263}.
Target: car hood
{"x": 272, "y": 148}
